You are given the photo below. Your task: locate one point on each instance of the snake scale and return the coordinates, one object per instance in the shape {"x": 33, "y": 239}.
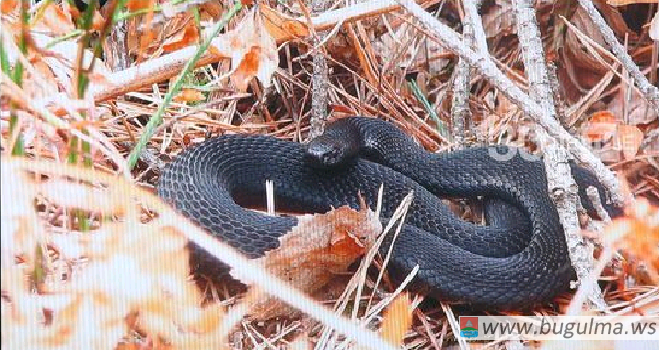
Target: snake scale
{"x": 519, "y": 259}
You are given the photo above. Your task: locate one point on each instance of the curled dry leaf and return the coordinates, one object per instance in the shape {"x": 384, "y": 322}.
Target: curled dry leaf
{"x": 253, "y": 52}
{"x": 601, "y": 126}
{"x": 319, "y": 247}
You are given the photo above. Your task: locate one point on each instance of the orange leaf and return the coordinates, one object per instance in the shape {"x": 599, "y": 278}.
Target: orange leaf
{"x": 189, "y": 95}
{"x": 189, "y": 35}
{"x": 98, "y": 21}
{"x": 134, "y": 5}
{"x": 260, "y": 57}
{"x": 280, "y": 26}
{"x": 637, "y": 234}
{"x": 397, "y": 319}
{"x": 6, "y": 6}
{"x": 602, "y": 126}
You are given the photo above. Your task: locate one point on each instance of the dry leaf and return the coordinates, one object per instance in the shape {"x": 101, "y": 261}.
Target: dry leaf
{"x": 638, "y": 235}
{"x": 397, "y": 320}
{"x": 320, "y": 246}
{"x": 253, "y": 51}
{"x": 189, "y": 95}
{"x": 601, "y": 127}
{"x": 282, "y": 27}
{"x": 54, "y": 20}
{"x": 134, "y": 5}
{"x": 629, "y": 138}
{"x": 182, "y": 37}
{"x": 7, "y": 6}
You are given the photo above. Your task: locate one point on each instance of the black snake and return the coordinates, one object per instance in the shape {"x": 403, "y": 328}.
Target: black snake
{"x": 519, "y": 259}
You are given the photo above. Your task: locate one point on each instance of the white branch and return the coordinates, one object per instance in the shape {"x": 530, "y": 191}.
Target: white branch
{"x": 451, "y": 40}
{"x": 650, "y": 92}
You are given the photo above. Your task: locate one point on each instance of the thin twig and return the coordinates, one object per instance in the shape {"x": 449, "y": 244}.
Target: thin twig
{"x": 650, "y": 92}
{"x": 455, "y": 327}
{"x": 451, "y": 40}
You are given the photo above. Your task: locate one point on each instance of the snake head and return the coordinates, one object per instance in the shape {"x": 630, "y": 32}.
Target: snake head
{"x": 329, "y": 151}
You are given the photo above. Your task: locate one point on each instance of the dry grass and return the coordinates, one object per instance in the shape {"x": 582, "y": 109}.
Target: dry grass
{"x": 92, "y": 258}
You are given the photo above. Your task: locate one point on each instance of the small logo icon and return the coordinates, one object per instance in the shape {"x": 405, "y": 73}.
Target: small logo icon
{"x": 469, "y": 326}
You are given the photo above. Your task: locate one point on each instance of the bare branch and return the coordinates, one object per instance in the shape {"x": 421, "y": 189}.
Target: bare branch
{"x": 451, "y": 40}
{"x": 560, "y": 184}
{"x": 319, "y": 79}
{"x": 650, "y": 92}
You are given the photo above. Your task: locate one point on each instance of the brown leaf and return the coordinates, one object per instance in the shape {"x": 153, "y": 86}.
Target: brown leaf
{"x": 638, "y": 235}
{"x": 635, "y": 110}
{"x": 320, "y": 246}
{"x": 134, "y": 5}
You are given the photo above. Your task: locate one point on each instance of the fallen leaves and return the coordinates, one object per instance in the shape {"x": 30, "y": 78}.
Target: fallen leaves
{"x": 253, "y": 50}
{"x": 280, "y": 26}
{"x": 250, "y": 47}
{"x": 126, "y": 268}
{"x": 319, "y": 247}
{"x": 131, "y": 275}
{"x": 611, "y": 134}
{"x": 637, "y": 235}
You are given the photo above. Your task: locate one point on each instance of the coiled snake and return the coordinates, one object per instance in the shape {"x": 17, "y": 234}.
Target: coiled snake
{"x": 519, "y": 259}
